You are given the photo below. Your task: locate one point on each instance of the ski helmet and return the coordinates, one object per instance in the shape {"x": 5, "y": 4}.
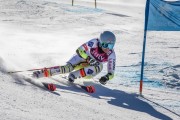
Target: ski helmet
{"x": 107, "y": 40}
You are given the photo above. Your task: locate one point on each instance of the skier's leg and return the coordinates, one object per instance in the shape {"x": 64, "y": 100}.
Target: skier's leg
{"x": 46, "y": 72}
{"x": 62, "y": 69}
{"x": 87, "y": 72}
{"x": 71, "y": 63}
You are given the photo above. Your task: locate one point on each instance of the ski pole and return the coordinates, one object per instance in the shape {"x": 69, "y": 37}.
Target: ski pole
{"x": 23, "y": 71}
{"x": 10, "y": 72}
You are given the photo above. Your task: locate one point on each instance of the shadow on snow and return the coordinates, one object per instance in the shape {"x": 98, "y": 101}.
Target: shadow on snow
{"x": 129, "y": 101}
{"x": 118, "y": 98}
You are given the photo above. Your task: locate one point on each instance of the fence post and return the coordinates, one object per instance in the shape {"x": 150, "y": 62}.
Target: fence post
{"x": 72, "y": 2}
{"x": 95, "y": 4}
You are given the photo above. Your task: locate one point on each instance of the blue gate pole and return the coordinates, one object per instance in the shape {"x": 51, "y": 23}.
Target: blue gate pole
{"x": 142, "y": 64}
{"x": 144, "y": 45}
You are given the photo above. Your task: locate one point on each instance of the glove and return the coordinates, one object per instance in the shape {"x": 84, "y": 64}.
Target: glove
{"x": 92, "y": 62}
{"x": 103, "y": 80}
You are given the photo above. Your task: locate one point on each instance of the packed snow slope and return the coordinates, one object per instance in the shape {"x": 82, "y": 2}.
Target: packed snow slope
{"x": 44, "y": 33}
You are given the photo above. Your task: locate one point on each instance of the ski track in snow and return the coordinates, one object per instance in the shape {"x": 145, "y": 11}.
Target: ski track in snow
{"x": 39, "y": 33}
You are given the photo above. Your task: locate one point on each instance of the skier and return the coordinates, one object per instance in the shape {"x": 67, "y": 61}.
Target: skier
{"x": 88, "y": 60}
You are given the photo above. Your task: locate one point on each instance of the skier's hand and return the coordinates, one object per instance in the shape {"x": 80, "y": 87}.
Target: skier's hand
{"x": 92, "y": 62}
{"x": 103, "y": 80}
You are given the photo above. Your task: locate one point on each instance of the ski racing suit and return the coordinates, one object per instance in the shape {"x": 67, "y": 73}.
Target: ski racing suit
{"x": 88, "y": 51}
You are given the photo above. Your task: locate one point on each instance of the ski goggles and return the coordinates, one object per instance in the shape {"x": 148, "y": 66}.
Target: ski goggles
{"x": 107, "y": 45}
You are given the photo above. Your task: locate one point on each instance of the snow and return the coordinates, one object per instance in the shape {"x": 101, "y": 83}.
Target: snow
{"x": 44, "y": 33}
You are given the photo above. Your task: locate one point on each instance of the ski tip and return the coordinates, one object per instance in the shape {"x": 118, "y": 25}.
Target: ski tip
{"x": 50, "y": 86}
{"x": 90, "y": 89}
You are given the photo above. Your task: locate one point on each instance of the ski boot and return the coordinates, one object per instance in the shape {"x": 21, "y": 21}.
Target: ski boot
{"x": 47, "y": 72}
{"x": 71, "y": 78}
{"x": 42, "y": 73}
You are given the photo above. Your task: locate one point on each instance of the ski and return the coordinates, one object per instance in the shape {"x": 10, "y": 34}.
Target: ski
{"x": 52, "y": 87}
{"x": 43, "y": 85}
{"x": 45, "y": 73}
{"x": 89, "y": 88}
{"x": 49, "y": 86}
{"x": 35, "y": 69}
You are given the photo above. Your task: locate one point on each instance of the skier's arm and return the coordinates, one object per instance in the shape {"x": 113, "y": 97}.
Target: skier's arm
{"x": 81, "y": 51}
{"x": 111, "y": 69}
